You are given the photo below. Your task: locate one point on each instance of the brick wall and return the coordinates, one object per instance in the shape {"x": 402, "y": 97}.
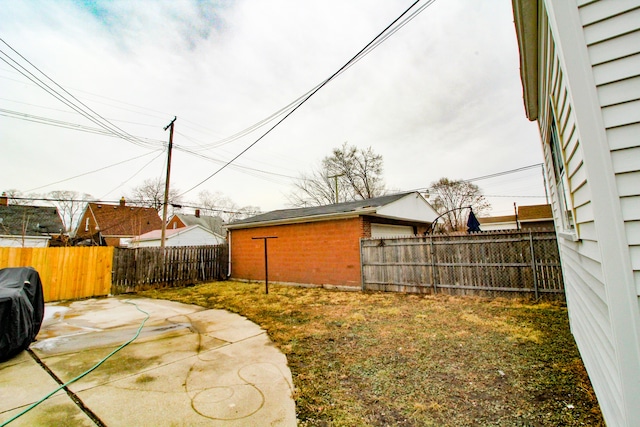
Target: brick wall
{"x": 326, "y": 252}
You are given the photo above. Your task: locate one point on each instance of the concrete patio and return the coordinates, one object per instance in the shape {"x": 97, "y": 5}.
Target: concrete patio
{"x": 188, "y": 367}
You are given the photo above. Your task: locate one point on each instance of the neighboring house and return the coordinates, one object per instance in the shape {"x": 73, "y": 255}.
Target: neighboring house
{"x": 321, "y": 245}
{"x": 115, "y": 225}
{"x": 535, "y": 217}
{"x": 580, "y": 69}
{"x": 213, "y": 223}
{"x": 494, "y": 223}
{"x": 532, "y": 217}
{"x": 193, "y": 235}
{"x": 28, "y": 226}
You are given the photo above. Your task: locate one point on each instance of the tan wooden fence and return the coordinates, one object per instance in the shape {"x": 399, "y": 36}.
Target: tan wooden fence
{"x": 82, "y": 272}
{"x": 66, "y": 272}
{"x": 519, "y": 263}
{"x": 144, "y": 268}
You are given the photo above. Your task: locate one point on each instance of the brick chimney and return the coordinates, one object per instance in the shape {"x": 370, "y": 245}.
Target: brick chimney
{"x": 197, "y": 213}
{"x": 4, "y": 200}
{"x": 122, "y": 202}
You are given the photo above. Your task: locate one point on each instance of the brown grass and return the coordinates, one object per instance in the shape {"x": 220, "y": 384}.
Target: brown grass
{"x": 378, "y": 359}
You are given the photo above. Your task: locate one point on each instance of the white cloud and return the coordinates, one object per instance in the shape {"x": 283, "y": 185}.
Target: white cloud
{"x": 441, "y": 97}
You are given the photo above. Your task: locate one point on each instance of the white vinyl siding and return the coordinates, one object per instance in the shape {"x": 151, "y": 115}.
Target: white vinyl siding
{"x": 386, "y": 230}
{"x": 611, "y": 31}
{"x": 613, "y": 40}
{"x": 581, "y": 260}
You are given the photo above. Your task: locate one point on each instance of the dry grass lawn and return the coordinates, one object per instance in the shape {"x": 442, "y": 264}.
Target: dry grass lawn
{"x": 385, "y": 359}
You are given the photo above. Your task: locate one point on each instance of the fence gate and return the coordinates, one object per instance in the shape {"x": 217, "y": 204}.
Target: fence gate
{"x": 518, "y": 263}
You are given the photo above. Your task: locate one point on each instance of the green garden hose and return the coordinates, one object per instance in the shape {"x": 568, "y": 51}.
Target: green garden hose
{"x": 30, "y": 407}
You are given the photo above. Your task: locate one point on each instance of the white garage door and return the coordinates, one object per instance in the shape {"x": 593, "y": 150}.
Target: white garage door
{"x": 383, "y": 231}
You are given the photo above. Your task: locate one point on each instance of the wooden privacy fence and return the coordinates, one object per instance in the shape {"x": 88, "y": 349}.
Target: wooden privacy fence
{"x": 82, "y": 272}
{"x": 522, "y": 263}
{"x": 66, "y": 272}
{"x": 144, "y": 268}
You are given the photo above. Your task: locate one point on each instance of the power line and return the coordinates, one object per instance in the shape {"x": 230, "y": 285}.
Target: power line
{"x": 90, "y": 172}
{"x": 494, "y": 175}
{"x": 136, "y": 173}
{"x": 82, "y": 109}
{"x": 66, "y": 125}
{"x": 368, "y": 47}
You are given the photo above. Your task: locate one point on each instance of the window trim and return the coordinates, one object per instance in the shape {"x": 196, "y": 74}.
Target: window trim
{"x": 567, "y": 228}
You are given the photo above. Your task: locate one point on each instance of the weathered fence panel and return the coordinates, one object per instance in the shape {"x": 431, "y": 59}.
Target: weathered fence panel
{"x": 66, "y": 272}
{"x": 522, "y": 263}
{"x": 144, "y": 268}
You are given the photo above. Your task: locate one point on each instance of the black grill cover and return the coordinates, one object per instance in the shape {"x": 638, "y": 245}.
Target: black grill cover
{"x": 21, "y": 309}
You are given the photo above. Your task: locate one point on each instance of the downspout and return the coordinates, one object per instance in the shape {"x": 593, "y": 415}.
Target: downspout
{"x": 229, "y": 245}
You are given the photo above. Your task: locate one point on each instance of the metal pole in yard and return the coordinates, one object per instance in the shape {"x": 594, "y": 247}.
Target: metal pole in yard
{"x": 266, "y": 261}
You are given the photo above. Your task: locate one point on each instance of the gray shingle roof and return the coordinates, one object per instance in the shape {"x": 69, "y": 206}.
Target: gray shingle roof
{"x": 337, "y": 208}
{"x": 213, "y": 223}
{"x": 35, "y": 220}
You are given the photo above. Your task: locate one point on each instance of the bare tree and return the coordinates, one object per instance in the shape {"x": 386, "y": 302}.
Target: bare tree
{"x": 16, "y": 197}
{"x": 217, "y": 204}
{"x": 451, "y": 196}
{"x": 151, "y": 194}
{"x": 347, "y": 174}
{"x": 70, "y": 205}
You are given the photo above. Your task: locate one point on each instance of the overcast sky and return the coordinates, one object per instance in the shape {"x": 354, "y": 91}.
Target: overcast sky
{"x": 440, "y": 98}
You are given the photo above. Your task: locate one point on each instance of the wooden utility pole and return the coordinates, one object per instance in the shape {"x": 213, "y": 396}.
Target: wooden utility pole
{"x": 166, "y": 183}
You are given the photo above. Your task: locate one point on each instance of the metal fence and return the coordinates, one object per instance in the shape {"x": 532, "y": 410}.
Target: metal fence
{"x": 518, "y": 263}
{"x": 144, "y": 268}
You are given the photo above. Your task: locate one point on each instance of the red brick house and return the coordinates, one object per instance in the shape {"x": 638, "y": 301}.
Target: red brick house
{"x": 321, "y": 245}
{"x": 115, "y": 225}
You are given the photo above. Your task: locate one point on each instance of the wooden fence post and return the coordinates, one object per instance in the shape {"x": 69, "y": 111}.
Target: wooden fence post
{"x": 533, "y": 266}
{"x": 433, "y": 266}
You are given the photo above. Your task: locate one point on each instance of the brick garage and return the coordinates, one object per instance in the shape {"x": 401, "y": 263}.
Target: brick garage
{"x": 320, "y": 245}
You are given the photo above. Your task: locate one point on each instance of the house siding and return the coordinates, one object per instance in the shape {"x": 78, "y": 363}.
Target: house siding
{"x": 323, "y": 252}
{"x": 612, "y": 35}
{"x": 604, "y": 325}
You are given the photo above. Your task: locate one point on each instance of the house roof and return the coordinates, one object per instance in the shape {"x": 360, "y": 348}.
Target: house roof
{"x": 210, "y": 222}
{"x": 338, "y": 210}
{"x": 535, "y": 213}
{"x": 525, "y": 14}
{"x": 169, "y": 233}
{"x": 122, "y": 220}
{"x": 529, "y": 213}
{"x": 497, "y": 219}
{"x": 39, "y": 220}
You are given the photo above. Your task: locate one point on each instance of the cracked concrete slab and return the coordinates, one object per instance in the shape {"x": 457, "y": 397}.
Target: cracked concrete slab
{"x": 189, "y": 366}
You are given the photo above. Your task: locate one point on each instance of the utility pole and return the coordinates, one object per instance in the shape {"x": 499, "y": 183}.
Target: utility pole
{"x": 335, "y": 177}
{"x": 166, "y": 183}
{"x": 544, "y": 183}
